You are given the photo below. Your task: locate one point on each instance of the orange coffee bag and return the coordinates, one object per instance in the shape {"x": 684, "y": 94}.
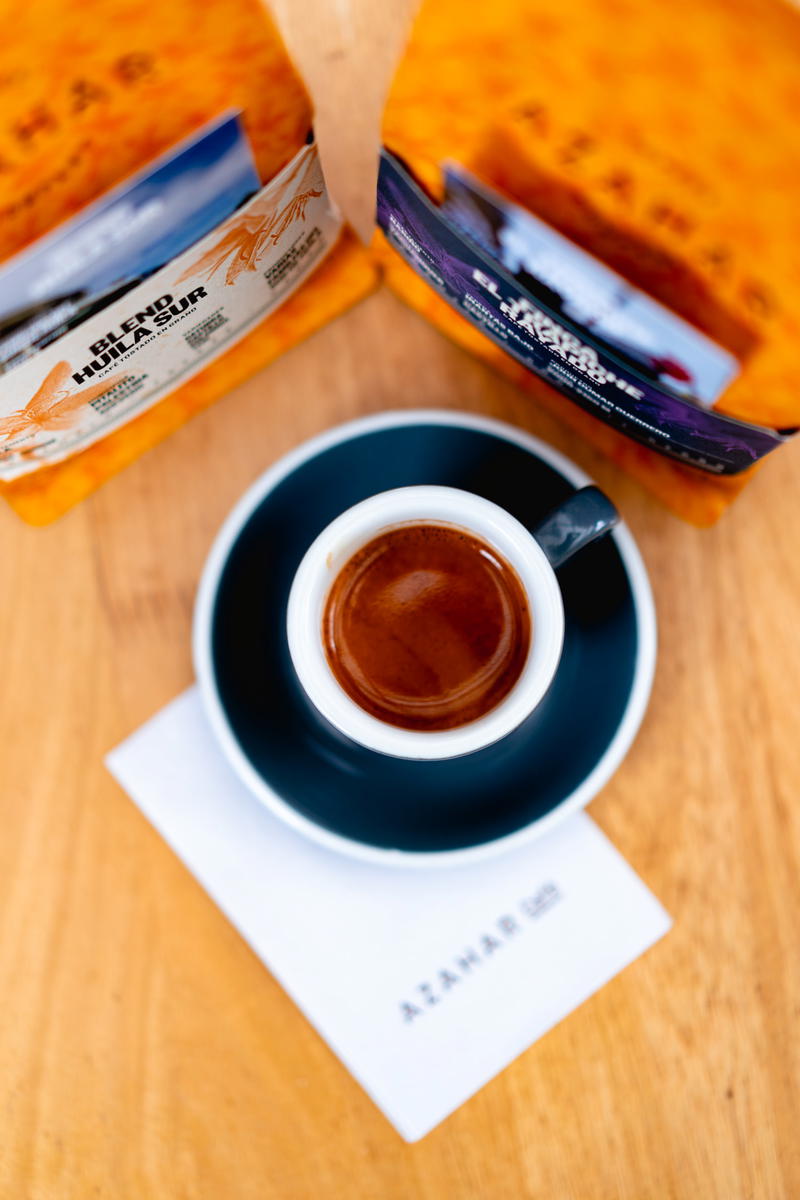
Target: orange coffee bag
{"x": 664, "y": 140}
{"x": 90, "y": 94}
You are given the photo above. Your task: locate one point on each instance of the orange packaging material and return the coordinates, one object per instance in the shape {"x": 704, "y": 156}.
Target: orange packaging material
{"x": 662, "y": 138}
{"x": 89, "y": 94}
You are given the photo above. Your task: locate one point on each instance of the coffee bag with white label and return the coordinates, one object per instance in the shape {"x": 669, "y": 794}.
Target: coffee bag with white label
{"x": 165, "y": 230}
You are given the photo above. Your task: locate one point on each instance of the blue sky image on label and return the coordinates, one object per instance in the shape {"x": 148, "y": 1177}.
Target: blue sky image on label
{"x": 124, "y": 236}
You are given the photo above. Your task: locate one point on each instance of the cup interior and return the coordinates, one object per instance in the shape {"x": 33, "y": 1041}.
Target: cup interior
{"x": 355, "y": 528}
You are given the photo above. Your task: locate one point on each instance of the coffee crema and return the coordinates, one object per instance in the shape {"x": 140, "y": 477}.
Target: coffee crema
{"x": 427, "y": 627}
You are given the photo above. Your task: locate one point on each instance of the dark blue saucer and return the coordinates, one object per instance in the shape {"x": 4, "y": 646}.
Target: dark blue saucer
{"x": 555, "y": 761}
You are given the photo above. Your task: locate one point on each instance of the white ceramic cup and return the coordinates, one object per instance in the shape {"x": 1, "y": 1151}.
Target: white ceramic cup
{"x": 574, "y": 524}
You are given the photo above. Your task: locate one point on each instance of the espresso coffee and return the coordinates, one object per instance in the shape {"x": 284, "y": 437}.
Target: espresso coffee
{"x": 427, "y": 627}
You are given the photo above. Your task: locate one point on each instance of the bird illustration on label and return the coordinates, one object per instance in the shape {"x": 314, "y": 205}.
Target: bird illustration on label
{"x": 52, "y": 408}
{"x": 246, "y": 238}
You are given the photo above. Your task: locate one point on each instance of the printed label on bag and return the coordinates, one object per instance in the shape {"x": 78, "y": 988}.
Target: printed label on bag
{"x": 126, "y": 357}
{"x": 618, "y": 317}
{"x": 603, "y": 378}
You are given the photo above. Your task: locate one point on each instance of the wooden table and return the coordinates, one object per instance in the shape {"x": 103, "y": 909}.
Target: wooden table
{"x": 145, "y": 1052}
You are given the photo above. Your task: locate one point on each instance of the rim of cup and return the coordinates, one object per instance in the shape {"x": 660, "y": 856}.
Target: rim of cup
{"x": 423, "y": 504}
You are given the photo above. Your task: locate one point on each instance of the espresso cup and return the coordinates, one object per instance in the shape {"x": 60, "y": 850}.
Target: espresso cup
{"x": 534, "y": 555}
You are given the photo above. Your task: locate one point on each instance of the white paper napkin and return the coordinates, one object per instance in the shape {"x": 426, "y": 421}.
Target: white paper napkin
{"x": 425, "y": 983}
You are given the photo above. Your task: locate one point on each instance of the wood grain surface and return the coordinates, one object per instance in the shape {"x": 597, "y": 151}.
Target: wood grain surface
{"x": 145, "y": 1052}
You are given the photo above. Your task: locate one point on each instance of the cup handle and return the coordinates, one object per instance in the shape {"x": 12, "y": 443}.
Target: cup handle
{"x": 580, "y": 520}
